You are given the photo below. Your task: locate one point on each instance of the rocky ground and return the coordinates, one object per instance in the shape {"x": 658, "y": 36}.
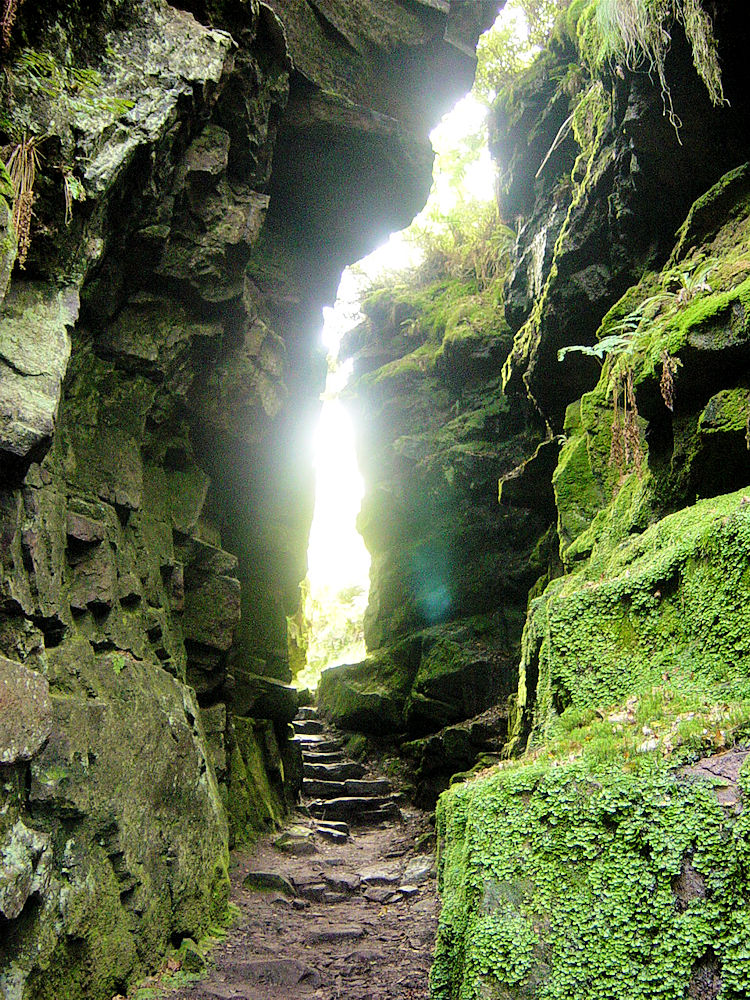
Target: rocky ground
{"x": 353, "y": 916}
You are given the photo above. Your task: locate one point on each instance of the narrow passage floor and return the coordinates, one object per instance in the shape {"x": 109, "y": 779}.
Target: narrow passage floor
{"x": 347, "y": 910}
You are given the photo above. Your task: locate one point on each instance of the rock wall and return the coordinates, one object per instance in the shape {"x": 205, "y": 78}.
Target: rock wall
{"x": 604, "y": 859}
{"x": 450, "y": 573}
{"x": 158, "y": 371}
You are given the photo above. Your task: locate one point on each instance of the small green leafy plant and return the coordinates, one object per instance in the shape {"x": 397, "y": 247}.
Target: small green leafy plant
{"x": 619, "y": 348}
{"x": 35, "y": 81}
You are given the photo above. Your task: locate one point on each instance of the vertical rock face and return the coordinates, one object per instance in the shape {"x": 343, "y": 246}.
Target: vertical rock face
{"x": 158, "y": 371}
{"x": 456, "y": 391}
{"x": 586, "y": 866}
{"x": 450, "y": 572}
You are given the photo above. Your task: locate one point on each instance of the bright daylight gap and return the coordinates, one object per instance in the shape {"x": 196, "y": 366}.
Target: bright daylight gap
{"x": 335, "y": 592}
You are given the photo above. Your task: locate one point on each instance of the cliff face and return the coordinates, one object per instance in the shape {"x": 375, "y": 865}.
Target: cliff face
{"x": 604, "y": 857}
{"x": 158, "y": 372}
{"x": 605, "y": 861}
{"x": 459, "y": 386}
{"x": 449, "y": 573}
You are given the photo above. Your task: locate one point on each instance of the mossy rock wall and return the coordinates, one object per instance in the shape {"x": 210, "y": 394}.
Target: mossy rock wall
{"x": 158, "y": 379}
{"x": 450, "y": 570}
{"x": 563, "y": 881}
{"x": 605, "y": 858}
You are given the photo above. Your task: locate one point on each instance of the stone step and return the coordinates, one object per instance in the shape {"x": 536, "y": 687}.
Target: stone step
{"x": 318, "y": 744}
{"x": 382, "y": 814}
{"x": 327, "y": 757}
{"x": 368, "y": 786}
{"x": 268, "y": 972}
{"x": 312, "y": 889}
{"x": 307, "y": 712}
{"x": 335, "y": 836}
{"x": 308, "y": 727}
{"x": 332, "y": 826}
{"x": 356, "y": 809}
{"x": 323, "y": 789}
{"x": 348, "y": 883}
{"x": 334, "y": 771}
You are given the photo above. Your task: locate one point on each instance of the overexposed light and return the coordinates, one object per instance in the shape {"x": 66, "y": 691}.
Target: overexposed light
{"x": 336, "y": 555}
{"x": 514, "y": 16}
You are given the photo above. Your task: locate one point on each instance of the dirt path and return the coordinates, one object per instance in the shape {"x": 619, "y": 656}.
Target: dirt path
{"x": 352, "y": 919}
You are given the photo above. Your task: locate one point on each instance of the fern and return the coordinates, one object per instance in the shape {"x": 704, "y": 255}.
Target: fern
{"x": 614, "y": 344}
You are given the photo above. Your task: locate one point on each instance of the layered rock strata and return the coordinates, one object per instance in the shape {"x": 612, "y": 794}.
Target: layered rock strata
{"x": 158, "y": 370}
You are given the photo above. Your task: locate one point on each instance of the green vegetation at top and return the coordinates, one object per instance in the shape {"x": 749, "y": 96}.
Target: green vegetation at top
{"x": 637, "y": 34}
{"x": 454, "y": 295}
{"x": 327, "y": 630}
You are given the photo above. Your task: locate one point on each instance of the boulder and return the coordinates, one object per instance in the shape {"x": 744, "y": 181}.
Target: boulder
{"x": 458, "y": 677}
{"x": 263, "y": 697}
{"x": 368, "y": 696}
{"x": 211, "y": 612}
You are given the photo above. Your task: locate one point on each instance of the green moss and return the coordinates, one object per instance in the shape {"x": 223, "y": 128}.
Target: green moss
{"x": 368, "y": 696}
{"x": 730, "y": 193}
{"x": 254, "y": 804}
{"x": 584, "y": 481}
{"x": 396, "y": 374}
{"x": 563, "y": 881}
{"x": 727, "y": 412}
{"x": 444, "y": 315}
{"x": 670, "y": 601}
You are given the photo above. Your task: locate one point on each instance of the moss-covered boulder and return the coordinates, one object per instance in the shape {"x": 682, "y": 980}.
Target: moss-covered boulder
{"x": 436, "y": 677}
{"x": 560, "y": 879}
{"x": 462, "y": 670}
{"x": 263, "y": 697}
{"x": 368, "y": 696}
{"x": 665, "y": 606}
{"x": 255, "y": 798}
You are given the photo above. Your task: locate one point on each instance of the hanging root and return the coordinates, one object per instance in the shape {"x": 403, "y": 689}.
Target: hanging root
{"x": 633, "y": 449}
{"x": 22, "y": 166}
{"x": 626, "y": 448}
{"x": 8, "y": 19}
{"x": 617, "y": 449}
{"x": 669, "y": 366}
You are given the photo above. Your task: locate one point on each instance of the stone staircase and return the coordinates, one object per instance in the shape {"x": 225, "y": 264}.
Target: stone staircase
{"x": 335, "y": 791}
